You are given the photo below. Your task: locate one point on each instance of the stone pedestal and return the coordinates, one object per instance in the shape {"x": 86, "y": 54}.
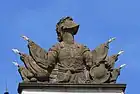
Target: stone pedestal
{"x": 44, "y": 88}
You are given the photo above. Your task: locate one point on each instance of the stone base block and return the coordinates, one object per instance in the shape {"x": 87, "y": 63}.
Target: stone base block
{"x": 45, "y": 88}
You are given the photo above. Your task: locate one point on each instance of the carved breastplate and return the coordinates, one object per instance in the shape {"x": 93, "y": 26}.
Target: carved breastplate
{"x": 70, "y": 56}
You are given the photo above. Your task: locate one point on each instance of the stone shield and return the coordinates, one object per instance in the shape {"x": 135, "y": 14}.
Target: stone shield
{"x": 99, "y": 73}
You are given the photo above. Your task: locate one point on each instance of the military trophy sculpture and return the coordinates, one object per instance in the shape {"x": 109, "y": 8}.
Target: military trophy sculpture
{"x": 68, "y": 62}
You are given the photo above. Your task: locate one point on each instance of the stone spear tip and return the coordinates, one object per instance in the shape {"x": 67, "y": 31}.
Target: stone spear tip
{"x": 16, "y": 64}
{"x": 122, "y": 66}
{"x": 16, "y": 51}
{"x": 25, "y": 38}
{"x": 111, "y": 39}
{"x": 120, "y": 52}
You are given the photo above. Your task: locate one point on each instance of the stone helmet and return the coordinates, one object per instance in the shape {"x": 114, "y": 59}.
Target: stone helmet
{"x": 66, "y": 24}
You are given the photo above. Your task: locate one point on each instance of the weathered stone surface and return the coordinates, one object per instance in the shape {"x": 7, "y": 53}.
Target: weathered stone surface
{"x": 67, "y": 61}
{"x": 44, "y": 88}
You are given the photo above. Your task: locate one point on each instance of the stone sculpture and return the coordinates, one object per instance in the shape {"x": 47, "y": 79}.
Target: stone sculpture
{"x": 68, "y": 61}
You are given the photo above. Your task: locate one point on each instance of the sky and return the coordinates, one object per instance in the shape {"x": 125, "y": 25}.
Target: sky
{"x": 99, "y": 20}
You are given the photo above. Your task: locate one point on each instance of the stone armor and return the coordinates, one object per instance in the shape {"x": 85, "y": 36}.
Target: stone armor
{"x": 71, "y": 64}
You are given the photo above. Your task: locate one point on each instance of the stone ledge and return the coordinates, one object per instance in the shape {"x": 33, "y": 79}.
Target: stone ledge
{"x": 71, "y": 87}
